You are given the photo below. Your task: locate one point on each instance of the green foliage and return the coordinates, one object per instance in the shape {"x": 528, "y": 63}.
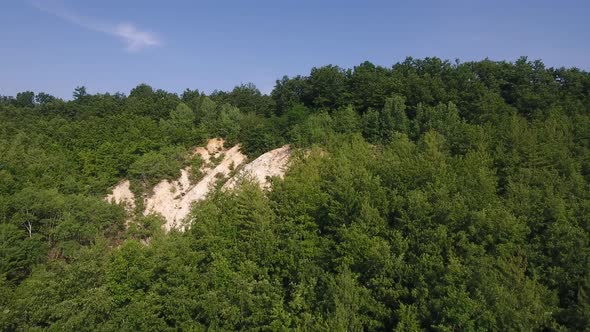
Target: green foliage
{"x": 195, "y": 168}
{"x": 25, "y": 99}
{"x": 371, "y": 85}
{"x": 259, "y": 134}
{"x": 328, "y": 88}
{"x": 216, "y": 160}
{"x": 180, "y": 127}
{"x": 346, "y": 120}
{"x": 145, "y": 227}
{"x": 20, "y": 252}
{"x": 315, "y": 129}
{"x": 80, "y": 93}
{"x": 43, "y": 98}
{"x": 289, "y": 92}
{"x": 222, "y": 121}
{"x": 153, "y": 165}
{"x": 426, "y": 196}
{"x": 247, "y": 98}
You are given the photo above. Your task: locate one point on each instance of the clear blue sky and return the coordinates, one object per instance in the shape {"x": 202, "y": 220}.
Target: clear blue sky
{"x": 113, "y": 45}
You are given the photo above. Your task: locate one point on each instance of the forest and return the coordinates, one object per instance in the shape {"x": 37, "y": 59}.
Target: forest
{"x": 428, "y": 195}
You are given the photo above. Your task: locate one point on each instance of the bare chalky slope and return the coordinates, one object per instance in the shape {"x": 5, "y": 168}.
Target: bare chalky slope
{"x": 272, "y": 163}
{"x": 173, "y": 199}
{"x": 122, "y": 195}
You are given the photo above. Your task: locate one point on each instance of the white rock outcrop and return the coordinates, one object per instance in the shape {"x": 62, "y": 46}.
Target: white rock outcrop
{"x": 273, "y": 163}
{"x": 122, "y": 194}
{"x": 173, "y": 199}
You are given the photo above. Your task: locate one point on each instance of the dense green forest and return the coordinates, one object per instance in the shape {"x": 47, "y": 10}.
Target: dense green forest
{"x": 429, "y": 195}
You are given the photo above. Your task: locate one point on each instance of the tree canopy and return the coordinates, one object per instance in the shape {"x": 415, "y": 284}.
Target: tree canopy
{"x": 428, "y": 195}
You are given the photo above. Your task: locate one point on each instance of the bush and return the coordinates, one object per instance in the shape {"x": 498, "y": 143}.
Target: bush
{"x": 195, "y": 172}
{"x": 156, "y": 165}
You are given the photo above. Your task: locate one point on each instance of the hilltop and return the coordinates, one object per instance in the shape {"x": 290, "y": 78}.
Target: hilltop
{"x": 428, "y": 195}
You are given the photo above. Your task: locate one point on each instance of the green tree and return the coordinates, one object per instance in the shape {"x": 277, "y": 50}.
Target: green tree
{"x": 180, "y": 127}
{"x": 327, "y": 87}
{"x": 43, "y": 98}
{"x": 80, "y": 93}
{"x": 25, "y": 99}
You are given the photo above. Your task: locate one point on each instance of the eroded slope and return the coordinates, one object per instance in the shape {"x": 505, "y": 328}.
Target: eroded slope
{"x": 173, "y": 199}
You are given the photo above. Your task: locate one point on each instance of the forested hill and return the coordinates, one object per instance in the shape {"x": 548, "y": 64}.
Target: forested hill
{"x": 428, "y": 195}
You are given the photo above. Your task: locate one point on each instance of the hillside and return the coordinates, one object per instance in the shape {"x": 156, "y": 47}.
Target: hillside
{"x": 427, "y": 195}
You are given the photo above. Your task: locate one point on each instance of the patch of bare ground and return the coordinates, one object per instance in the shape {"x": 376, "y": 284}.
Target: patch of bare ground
{"x": 271, "y": 164}
{"x": 173, "y": 199}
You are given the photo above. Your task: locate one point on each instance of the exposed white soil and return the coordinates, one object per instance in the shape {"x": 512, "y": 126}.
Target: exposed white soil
{"x": 273, "y": 163}
{"x": 214, "y": 146}
{"x": 173, "y": 199}
{"x": 122, "y": 195}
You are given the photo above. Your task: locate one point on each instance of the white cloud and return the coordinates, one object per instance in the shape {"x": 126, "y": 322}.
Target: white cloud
{"x": 135, "y": 39}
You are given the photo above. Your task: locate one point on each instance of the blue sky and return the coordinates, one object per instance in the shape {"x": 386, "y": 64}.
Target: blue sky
{"x": 113, "y": 45}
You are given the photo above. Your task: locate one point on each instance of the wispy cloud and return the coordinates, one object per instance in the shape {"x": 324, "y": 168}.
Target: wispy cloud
{"x": 134, "y": 38}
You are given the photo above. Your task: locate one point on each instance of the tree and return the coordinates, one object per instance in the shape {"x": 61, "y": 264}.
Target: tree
{"x": 25, "y": 99}
{"x": 154, "y": 166}
{"x": 394, "y": 117}
{"x": 427, "y": 195}
{"x": 289, "y": 92}
{"x": 20, "y": 252}
{"x": 181, "y": 126}
{"x": 327, "y": 87}
{"x": 247, "y": 98}
{"x": 372, "y": 126}
{"x": 43, "y": 98}
{"x": 370, "y": 85}
{"x": 80, "y": 93}
{"x": 346, "y": 120}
